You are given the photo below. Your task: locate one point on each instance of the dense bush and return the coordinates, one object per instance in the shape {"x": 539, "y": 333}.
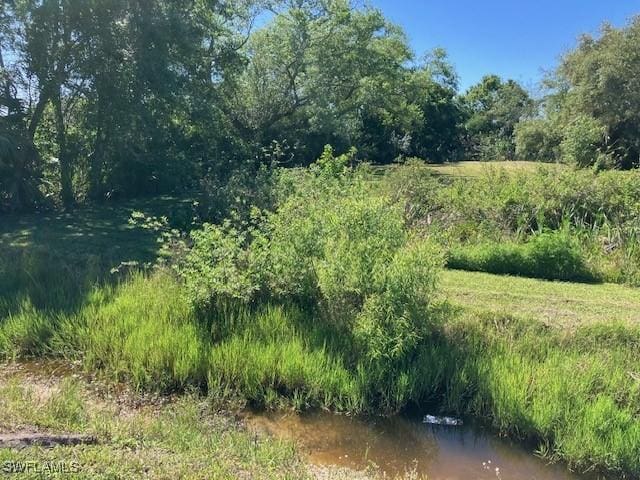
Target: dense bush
{"x": 600, "y": 208}
{"x": 581, "y": 142}
{"x": 537, "y": 140}
{"x": 333, "y": 247}
{"x": 553, "y": 256}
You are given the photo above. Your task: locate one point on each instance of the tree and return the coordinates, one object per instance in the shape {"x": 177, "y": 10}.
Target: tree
{"x": 581, "y": 141}
{"x": 494, "y": 109}
{"x": 438, "y": 138}
{"x": 325, "y": 73}
{"x": 20, "y": 164}
{"x": 128, "y": 96}
{"x": 537, "y": 139}
{"x": 600, "y": 80}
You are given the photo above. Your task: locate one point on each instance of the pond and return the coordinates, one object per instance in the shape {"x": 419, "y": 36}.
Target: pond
{"x": 402, "y": 444}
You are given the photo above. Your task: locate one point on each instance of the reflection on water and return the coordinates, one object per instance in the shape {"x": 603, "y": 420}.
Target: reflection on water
{"x": 400, "y": 444}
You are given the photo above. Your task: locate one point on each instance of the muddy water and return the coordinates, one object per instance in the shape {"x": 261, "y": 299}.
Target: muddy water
{"x": 403, "y": 444}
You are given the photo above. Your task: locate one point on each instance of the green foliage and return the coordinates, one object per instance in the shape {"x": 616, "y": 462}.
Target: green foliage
{"x": 148, "y": 334}
{"x": 219, "y": 266}
{"x": 495, "y": 108}
{"x": 572, "y": 392}
{"x": 599, "y": 81}
{"x": 553, "y": 255}
{"x": 339, "y": 250}
{"x": 582, "y": 139}
{"x": 323, "y": 73}
{"x": 438, "y": 137}
{"x": 395, "y": 316}
{"x": 280, "y": 352}
{"x": 330, "y": 166}
{"x": 21, "y": 172}
{"x": 534, "y": 383}
{"x": 501, "y": 206}
{"x": 25, "y": 333}
{"x": 112, "y": 89}
{"x": 537, "y": 140}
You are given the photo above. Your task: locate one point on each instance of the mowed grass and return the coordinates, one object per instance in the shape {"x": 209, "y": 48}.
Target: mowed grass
{"x": 562, "y": 304}
{"x": 475, "y": 169}
{"x": 102, "y": 231}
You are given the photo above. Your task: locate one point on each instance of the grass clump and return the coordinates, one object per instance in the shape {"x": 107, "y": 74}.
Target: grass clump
{"x": 148, "y": 334}
{"x": 177, "y": 439}
{"x": 554, "y": 255}
{"x": 572, "y": 394}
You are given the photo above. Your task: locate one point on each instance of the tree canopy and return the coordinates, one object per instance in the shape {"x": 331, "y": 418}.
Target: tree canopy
{"x": 102, "y": 99}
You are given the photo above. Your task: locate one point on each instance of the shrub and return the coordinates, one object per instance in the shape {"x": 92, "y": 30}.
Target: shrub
{"x": 601, "y": 208}
{"x": 362, "y": 237}
{"x": 334, "y": 247}
{"x": 395, "y": 316}
{"x": 581, "y": 140}
{"x": 537, "y": 140}
{"x": 551, "y": 255}
{"x": 557, "y": 255}
{"x": 218, "y": 266}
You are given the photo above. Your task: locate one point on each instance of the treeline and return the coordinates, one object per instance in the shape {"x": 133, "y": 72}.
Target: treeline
{"x": 117, "y": 98}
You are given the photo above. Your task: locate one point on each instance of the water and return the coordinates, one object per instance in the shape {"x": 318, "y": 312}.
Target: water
{"x": 396, "y": 445}
{"x": 399, "y": 445}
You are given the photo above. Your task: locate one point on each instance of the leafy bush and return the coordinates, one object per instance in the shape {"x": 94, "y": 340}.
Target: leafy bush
{"x": 582, "y": 138}
{"x": 235, "y": 195}
{"x": 333, "y": 246}
{"x": 551, "y": 255}
{"x": 537, "y": 140}
{"x": 218, "y": 265}
{"x": 395, "y": 316}
{"x": 20, "y": 172}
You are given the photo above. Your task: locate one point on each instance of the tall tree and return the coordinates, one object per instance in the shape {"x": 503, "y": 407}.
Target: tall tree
{"x": 438, "y": 138}
{"x": 49, "y": 48}
{"x": 494, "y": 109}
{"x": 317, "y": 72}
{"x": 600, "y": 79}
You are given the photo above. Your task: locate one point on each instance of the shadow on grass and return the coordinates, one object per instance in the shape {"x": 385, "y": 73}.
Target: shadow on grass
{"x": 52, "y": 260}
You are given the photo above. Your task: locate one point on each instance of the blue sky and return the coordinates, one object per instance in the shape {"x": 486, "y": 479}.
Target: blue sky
{"x": 517, "y": 39}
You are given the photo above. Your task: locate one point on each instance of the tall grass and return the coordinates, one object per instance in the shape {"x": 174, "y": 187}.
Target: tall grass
{"x": 338, "y": 309}
{"x": 511, "y": 207}
{"x": 555, "y": 255}
{"x": 575, "y": 394}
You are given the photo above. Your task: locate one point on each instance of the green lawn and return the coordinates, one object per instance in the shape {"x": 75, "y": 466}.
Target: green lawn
{"x": 474, "y": 169}
{"x": 103, "y": 231}
{"x": 557, "y": 303}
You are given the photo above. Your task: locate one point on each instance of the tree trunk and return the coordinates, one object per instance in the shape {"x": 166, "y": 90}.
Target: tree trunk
{"x": 96, "y": 164}
{"x": 7, "y": 87}
{"x": 66, "y": 177}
